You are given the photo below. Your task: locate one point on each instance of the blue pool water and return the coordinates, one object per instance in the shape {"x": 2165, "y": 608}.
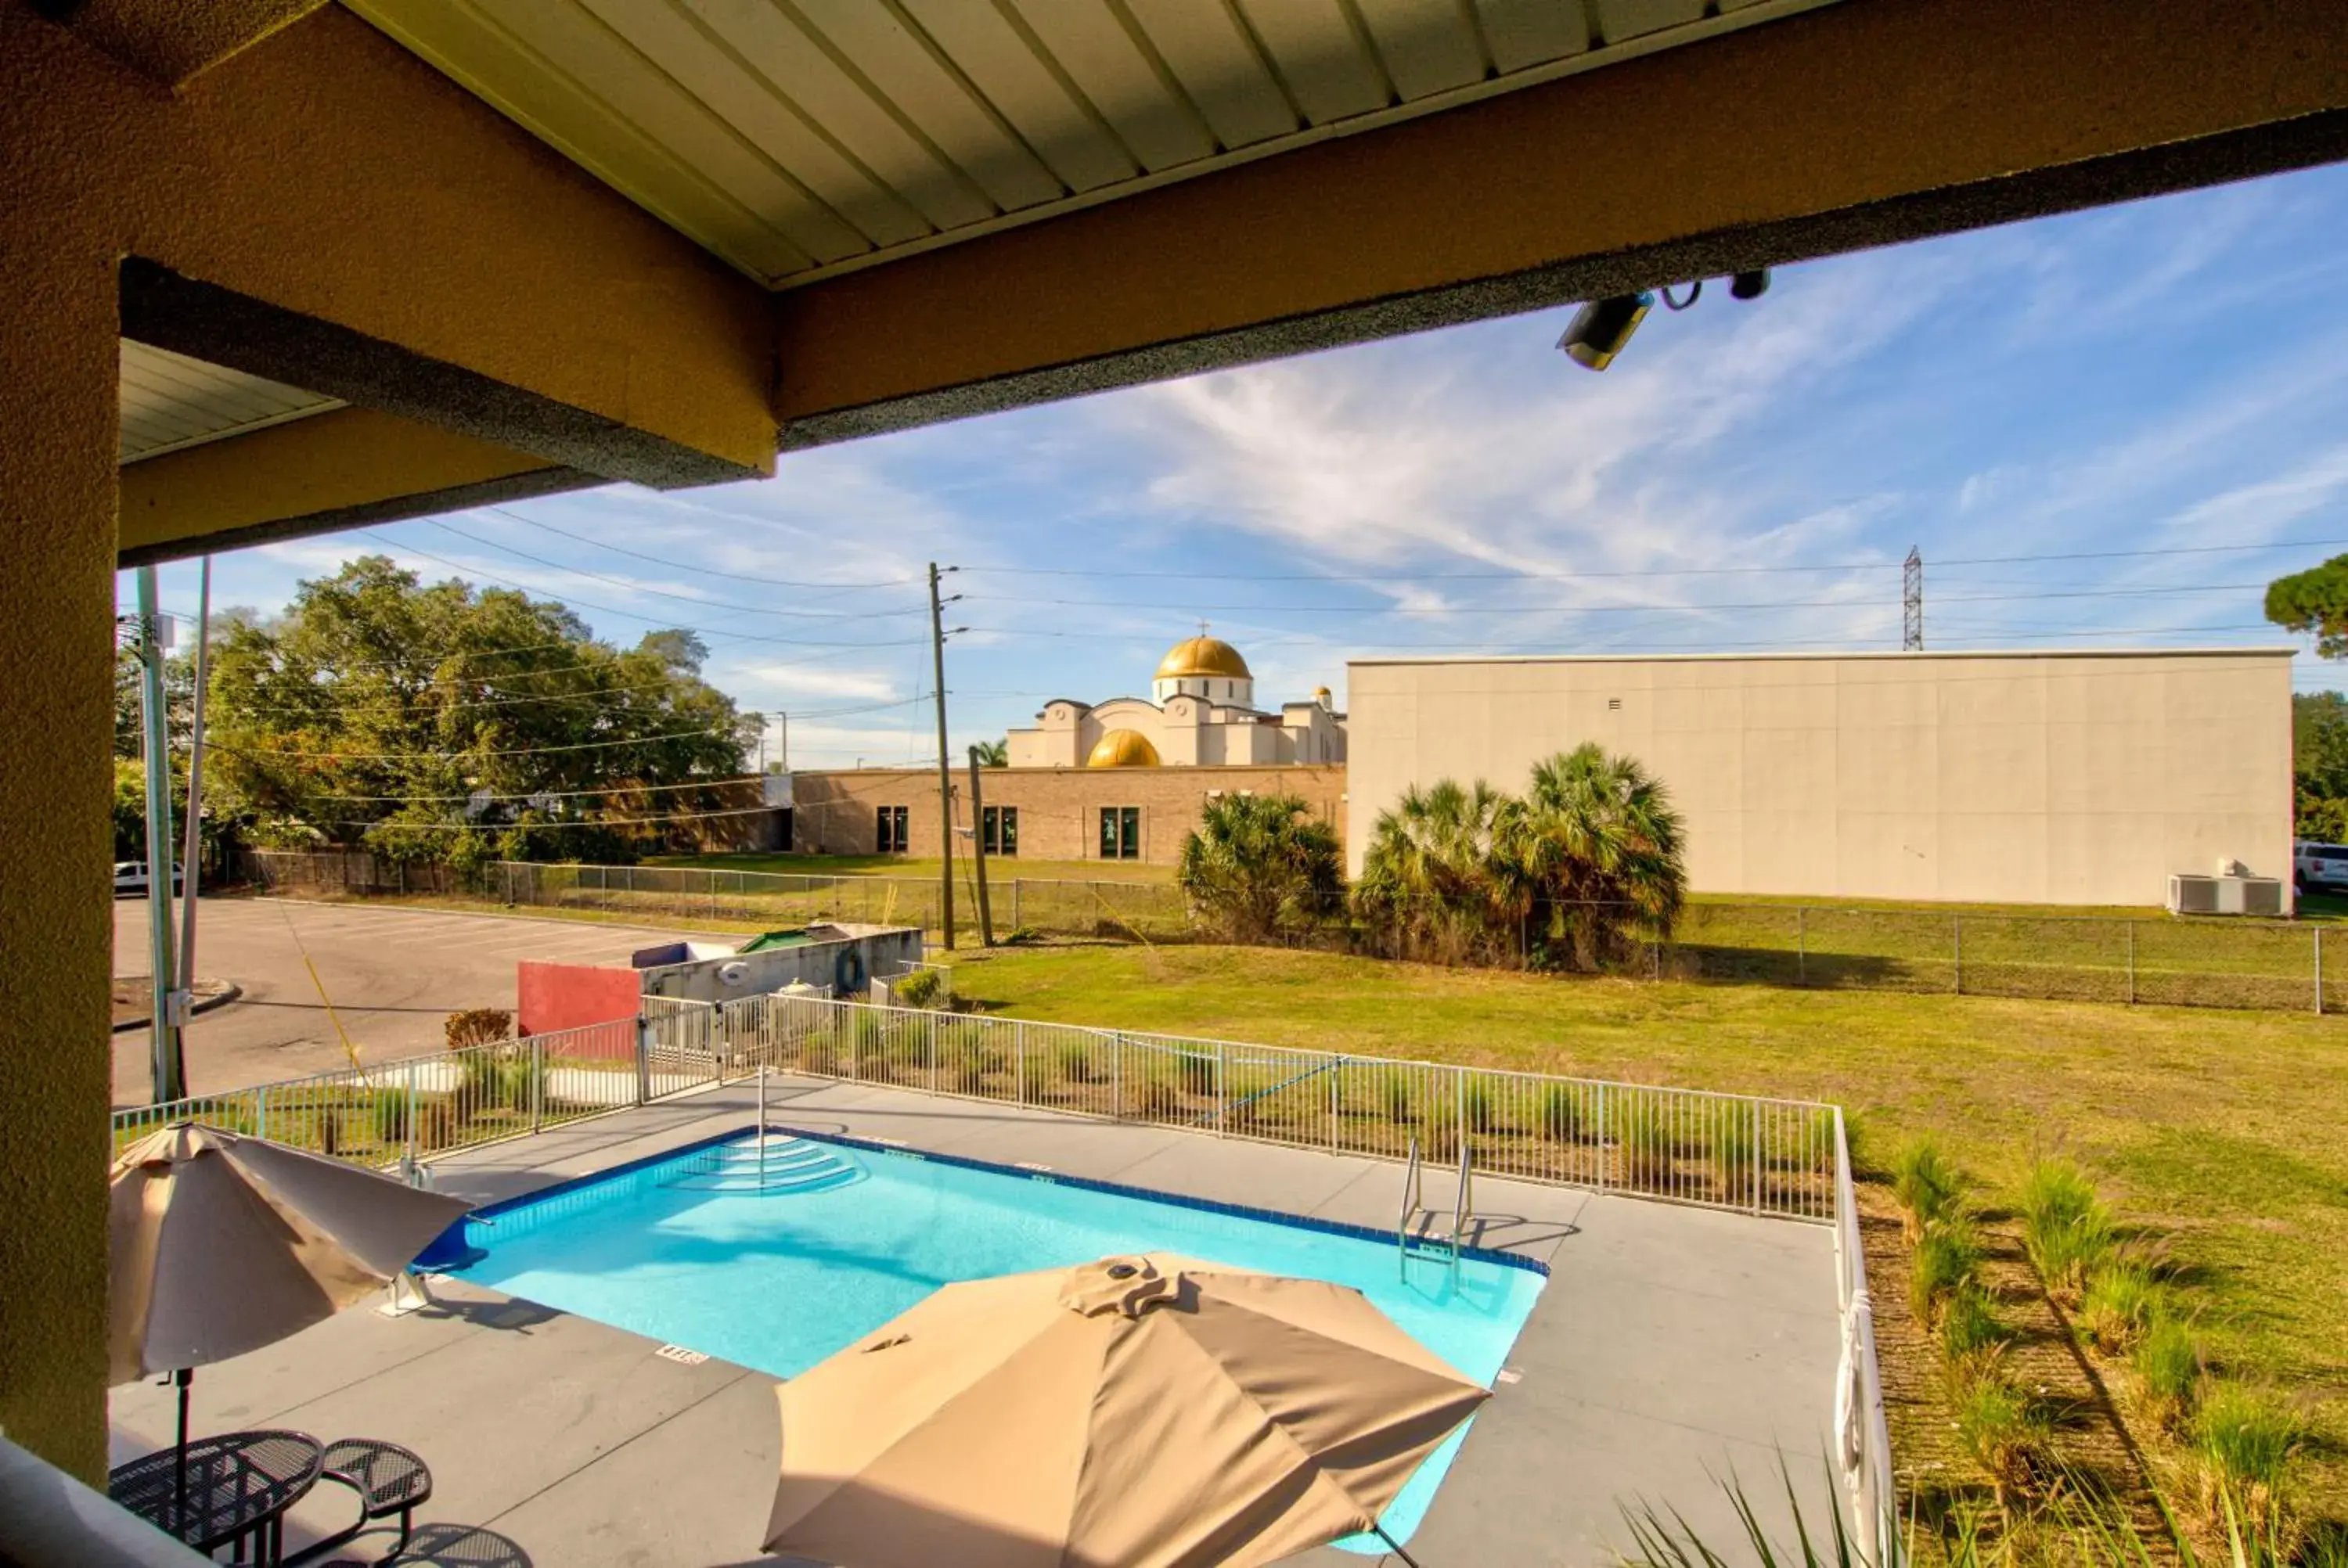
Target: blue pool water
{"x": 778, "y": 1281}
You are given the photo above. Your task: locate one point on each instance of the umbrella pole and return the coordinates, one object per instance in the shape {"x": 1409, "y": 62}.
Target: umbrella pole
{"x": 184, "y": 1377}
{"x": 1395, "y": 1546}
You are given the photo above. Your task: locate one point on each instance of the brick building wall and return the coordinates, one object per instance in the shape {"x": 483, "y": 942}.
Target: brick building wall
{"x": 837, "y": 813}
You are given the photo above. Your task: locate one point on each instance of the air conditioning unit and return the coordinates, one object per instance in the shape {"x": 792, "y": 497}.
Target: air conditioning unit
{"x": 2249, "y": 895}
{"x": 2192, "y": 895}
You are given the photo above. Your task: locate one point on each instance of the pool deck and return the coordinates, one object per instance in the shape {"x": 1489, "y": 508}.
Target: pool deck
{"x": 1673, "y": 1346}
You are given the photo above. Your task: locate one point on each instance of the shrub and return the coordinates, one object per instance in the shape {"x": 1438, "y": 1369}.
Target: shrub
{"x": 1947, "y": 1257}
{"x": 2120, "y": 1303}
{"x": 2244, "y": 1441}
{"x": 1259, "y": 868}
{"x": 1645, "y": 1134}
{"x": 1732, "y": 1154}
{"x": 2065, "y": 1229}
{"x": 2006, "y": 1433}
{"x": 1476, "y": 1107}
{"x": 1562, "y": 1116}
{"x": 1195, "y": 1070}
{"x": 1395, "y": 1090}
{"x": 1074, "y": 1061}
{"x": 1023, "y": 936}
{"x": 1927, "y": 1185}
{"x": 2167, "y": 1371}
{"x": 435, "y": 1120}
{"x": 477, "y": 1026}
{"x": 918, "y": 990}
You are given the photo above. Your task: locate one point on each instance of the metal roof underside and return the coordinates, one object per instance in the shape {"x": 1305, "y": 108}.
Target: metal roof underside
{"x": 170, "y": 402}
{"x": 801, "y": 139}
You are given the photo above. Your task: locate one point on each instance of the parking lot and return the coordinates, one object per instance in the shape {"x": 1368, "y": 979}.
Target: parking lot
{"x": 392, "y": 975}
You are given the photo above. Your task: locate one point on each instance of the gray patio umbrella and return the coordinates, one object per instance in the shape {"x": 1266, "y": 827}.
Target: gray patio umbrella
{"x": 220, "y": 1244}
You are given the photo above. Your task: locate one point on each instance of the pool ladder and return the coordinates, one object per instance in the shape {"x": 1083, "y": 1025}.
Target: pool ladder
{"x": 770, "y": 1162}
{"x": 1413, "y": 1237}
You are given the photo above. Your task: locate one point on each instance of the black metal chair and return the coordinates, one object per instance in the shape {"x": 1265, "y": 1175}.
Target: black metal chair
{"x": 388, "y": 1479}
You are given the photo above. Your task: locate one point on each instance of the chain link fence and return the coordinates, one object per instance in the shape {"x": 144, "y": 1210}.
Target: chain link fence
{"x": 2183, "y": 962}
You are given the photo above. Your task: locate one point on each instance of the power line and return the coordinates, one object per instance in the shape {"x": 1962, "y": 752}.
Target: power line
{"x": 706, "y": 571}
{"x": 630, "y": 614}
{"x": 1704, "y": 609}
{"x": 662, "y": 593}
{"x": 536, "y": 826}
{"x": 1652, "y": 571}
{"x": 452, "y": 756}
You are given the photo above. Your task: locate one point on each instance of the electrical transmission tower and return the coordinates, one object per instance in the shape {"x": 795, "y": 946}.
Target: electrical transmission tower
{"x": 1912, "y": 603}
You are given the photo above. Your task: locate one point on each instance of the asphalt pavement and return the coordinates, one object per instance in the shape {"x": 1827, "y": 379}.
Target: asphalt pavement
{"x": 392, "y": 975}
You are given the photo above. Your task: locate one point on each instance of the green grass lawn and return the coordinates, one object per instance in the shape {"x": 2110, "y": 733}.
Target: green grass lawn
{"x": 906, "y": 866}
{"x": 2223, "y": 1128}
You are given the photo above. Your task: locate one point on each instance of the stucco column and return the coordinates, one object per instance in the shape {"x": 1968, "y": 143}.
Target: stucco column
{"x": 58, "y": 487}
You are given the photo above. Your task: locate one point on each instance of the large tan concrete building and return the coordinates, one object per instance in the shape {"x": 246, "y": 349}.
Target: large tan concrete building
{"x": 2043, "y": 778}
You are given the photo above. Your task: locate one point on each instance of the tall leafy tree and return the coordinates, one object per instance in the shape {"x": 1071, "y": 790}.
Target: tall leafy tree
{"x": 442, "y": 722}
{"x": 2314, "y": 602}
{"x": 1260, "y": 867}
{"x": 2320, "y": 765}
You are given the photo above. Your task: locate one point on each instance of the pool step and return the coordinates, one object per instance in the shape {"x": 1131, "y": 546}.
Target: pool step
{"x": 789, "y": 1165}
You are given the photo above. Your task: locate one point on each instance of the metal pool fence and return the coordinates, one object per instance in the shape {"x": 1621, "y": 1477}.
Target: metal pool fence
{"x": 2184, "y": 963}
{"x": 1759, "y": 1155}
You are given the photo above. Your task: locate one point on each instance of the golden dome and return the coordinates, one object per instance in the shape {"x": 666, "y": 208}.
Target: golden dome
{"x": 1203, "y": 656}
{"x": 1123, "y": 749}
{"x": 1321, "y": 691}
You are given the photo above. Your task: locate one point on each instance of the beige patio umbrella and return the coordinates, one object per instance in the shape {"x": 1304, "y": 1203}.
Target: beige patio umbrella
{"x": 1145, "y": 1412}
{"x": 220, "y": 1244}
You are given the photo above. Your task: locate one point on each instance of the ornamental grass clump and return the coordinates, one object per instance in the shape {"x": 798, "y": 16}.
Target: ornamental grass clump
{"x": 2008, "y": 1433}
{"x": 1927, "y": 1185}
{"x": 1947, "y": 1258}
{"x": 2165, "y": 1373}
{"x": 2244, "y": 1441}
{"x": 2065, "y": 1229}
{"x": 2122, "y": 1301}
{"x": 1973, "y": 1336}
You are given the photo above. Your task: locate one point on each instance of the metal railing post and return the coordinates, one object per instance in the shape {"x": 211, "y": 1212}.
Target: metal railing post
{"x": 1755, "y": 1109}
{"x": 1018, "y": 1064}
{"x": 1116, "y": 1073}
{"x": 644, "y": 1057}
{"x": 1459, "y": 1106}
{"x": 411, "y": 1115}
{"x": 537, "y": 1084}
{"x": 1221, "y": 1079}
{"x": 261, "y": 1113}
{"x": 1599, "y": 1148}
{"x": 1335, "y": 1070}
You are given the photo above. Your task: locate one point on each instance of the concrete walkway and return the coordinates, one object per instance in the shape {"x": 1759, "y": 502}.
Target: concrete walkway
{"x": 1671, "y": 1345}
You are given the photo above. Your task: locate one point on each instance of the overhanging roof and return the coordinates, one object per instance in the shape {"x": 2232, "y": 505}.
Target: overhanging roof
{"x": 799, "y": 140}
{"x": 170, "y": 402}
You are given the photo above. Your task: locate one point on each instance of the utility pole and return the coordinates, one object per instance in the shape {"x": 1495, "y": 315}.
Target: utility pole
{"x": 192, "y": 866}
{"x": 1911, "y": 602}
{"x": 164, "y": 1055}
{"x": 945, "y": 770}
{"x": 978, "y": 852}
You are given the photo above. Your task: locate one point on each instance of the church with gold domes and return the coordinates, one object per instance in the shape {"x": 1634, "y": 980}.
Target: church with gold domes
{"x": 1201, "y": 712}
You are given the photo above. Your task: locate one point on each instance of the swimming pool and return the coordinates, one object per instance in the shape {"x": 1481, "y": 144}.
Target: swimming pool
{"x": 779, "y": 1280}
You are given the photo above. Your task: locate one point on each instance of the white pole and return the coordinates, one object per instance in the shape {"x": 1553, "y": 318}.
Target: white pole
{"x": 194, "y": 856}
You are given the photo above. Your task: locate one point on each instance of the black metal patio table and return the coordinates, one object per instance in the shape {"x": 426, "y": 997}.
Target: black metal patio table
{"x": 238, "y": 1488}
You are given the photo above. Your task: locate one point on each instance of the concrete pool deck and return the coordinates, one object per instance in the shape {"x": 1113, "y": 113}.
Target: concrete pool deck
{"x": 1671, "y": 1345}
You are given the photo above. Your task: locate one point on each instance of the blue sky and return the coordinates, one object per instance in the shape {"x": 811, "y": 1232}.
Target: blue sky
{"x": 2167, "y": 376}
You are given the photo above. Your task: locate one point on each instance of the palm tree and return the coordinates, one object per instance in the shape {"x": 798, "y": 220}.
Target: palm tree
{"x": 993, "y": 754}
{"x": 1432, "y": 885}
{"x": 1597, "y": 841}
{"x": 1260, "y": 867}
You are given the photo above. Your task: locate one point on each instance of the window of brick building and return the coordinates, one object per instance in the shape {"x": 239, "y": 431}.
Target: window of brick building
{"x": 998, "y": 829}
{"x": 1121, "y": 833}
{"x": 889, "y": 830}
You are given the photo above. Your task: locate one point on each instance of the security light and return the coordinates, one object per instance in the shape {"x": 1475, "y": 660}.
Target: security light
{"x": 1601, "y": 327}
{"x": 1749, "y": 285}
